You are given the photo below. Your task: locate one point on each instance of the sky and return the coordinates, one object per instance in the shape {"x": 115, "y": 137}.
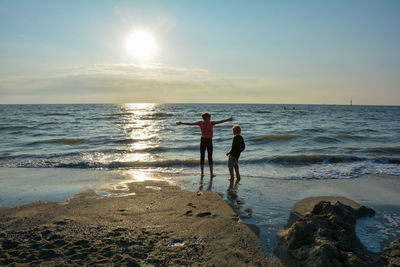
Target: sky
{"x": 209, "y": 51}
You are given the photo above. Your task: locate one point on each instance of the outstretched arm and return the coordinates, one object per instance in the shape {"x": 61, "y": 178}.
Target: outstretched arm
{"x": 218, "y": 122}
{"x": 186, "y": 123}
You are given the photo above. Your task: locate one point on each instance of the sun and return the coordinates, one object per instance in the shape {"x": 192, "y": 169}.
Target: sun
{"x": 141, "y": 45}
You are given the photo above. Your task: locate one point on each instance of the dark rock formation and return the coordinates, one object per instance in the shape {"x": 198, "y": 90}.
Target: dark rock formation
{"x": 325, "y": 236}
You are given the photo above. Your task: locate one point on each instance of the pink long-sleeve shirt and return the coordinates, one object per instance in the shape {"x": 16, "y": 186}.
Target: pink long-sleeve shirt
{"x": 206, "y": 128}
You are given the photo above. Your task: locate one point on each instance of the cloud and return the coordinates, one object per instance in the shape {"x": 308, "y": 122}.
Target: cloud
{"x": 150, "y": 71}
{"x": 122, "y": 83}
{"x": 118, "y": 82}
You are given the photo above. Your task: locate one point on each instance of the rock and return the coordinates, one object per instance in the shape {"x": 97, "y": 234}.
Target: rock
{"x": 320, "y": 233}
{"x": 364, "y": 212}
{"x": 306, "y": 205}
{"x": 391, "y": 254}
{"x": 9, "y": 244}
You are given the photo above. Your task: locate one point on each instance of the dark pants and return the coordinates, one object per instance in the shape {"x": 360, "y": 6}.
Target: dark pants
{"x": 206, "y": 143}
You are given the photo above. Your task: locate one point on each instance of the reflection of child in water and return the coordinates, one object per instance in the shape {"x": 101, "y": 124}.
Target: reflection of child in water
{"x": 238, "y": 146}
{"x": 206, "y": 127}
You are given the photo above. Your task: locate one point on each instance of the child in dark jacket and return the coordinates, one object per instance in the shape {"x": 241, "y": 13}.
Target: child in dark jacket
{"x": 238, "y": 146}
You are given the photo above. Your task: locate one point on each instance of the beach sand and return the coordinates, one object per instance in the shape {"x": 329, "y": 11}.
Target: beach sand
{"x": 155, "y": 224}
{"x": 155, "y": 229}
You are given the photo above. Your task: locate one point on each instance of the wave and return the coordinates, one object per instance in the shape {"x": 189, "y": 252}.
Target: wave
{"x": 326, "y": 139}
{"x": 391, "y": 150}
{"x": 101, "y": 118}
{"x": 349, "y": 136}
{"x": 104, "y": 151}
{"x": 166, "y": 149}
{"x": 387, "y": 160}
{"x": 123, "y": 141}
{"x": 13, "y": 127}
{"x": 48, "y": 123}
{"x": 320, "y": 159}
{"x": 273, "y": 137}
{"x": 67, "y": 141}
{"x": 314, "y": 130}
{"x": 290, "y": 160}
{"x": 156, "y": 115}
{"x": 56, "y": 114}
{"x": 93, "y": 141}
{"x": 188, "y": 147}
{"x": 122, "y": 114}
{"x": 17, "y": 132}
{"x": 64, "y": 141}
{"x": 263, "y": 111}
{"x": 338, "y": 138}
{"x": 310, "y": 159}
{"x": 108, "y": 151}
{"x": 104, "y": 165}
{"x": 162, "y": 114}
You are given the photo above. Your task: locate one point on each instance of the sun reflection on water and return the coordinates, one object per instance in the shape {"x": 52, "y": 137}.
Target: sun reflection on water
{"x": 122, "y": 188}
{"x": 142, "y": 130}
{"x": 140, "y": 176}
{"x": 139, "y": 108}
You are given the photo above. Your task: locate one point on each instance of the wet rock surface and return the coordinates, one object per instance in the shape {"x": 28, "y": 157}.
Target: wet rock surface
{"x": 322, "y": 233}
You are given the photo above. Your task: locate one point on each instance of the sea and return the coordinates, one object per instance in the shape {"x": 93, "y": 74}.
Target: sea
{"x": 292, "y": 152}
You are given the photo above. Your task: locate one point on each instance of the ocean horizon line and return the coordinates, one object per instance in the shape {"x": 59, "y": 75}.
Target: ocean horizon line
{"x": 204, "y": 103}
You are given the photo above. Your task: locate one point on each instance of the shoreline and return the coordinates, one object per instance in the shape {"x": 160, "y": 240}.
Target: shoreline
{"x": 262, "y": 203}
{"x": 158, "y": 224}
{"x": 151, "y": 219}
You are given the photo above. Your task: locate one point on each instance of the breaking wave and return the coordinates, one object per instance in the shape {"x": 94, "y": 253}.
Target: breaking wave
{"x": 76, "y": 161}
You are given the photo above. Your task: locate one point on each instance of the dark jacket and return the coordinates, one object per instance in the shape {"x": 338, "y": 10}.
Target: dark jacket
{"x": 237, "y": 146}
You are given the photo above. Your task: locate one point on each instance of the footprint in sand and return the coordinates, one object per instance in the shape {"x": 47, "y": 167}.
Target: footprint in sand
{"x": 189, "y": 213}
{"x": 203, "y": 214}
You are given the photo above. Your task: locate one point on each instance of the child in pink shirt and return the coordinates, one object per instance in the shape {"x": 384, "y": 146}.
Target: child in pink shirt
{"x": 206, "y": 127}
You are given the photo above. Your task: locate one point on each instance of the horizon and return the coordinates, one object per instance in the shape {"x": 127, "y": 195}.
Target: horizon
{"x": 201, "y": 103}
{"x": 258, "y": 52}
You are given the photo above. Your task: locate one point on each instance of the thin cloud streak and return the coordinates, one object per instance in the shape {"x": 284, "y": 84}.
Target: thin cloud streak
{"x": 155, "y": 82}
{"x": 117, "y": 83}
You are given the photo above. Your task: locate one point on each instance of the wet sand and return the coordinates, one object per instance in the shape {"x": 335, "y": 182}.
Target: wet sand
{"x": 155, "y": 224}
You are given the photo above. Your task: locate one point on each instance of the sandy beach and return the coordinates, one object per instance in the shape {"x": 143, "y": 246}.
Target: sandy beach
{"x": 86, "y": 217}
{"x": 154, "y": 224}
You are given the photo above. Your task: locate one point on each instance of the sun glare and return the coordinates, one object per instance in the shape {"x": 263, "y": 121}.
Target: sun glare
{"x": 141, "y": 45}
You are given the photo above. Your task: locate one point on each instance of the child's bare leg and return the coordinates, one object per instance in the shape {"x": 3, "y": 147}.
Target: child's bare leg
{"x": 230, "y": 167}
{"x": 237, "y": 173}
{"x": 201, "y": 184}
{"x": 211, "y": 171}
{"x": 230, "y": 184}
{"x": 210, "y": 184}
{"x": 202, "y": 169}
{"x": 231, "y": 174}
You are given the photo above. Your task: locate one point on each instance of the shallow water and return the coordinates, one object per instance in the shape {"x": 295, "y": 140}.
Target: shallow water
{"x": 267, "y": 203}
